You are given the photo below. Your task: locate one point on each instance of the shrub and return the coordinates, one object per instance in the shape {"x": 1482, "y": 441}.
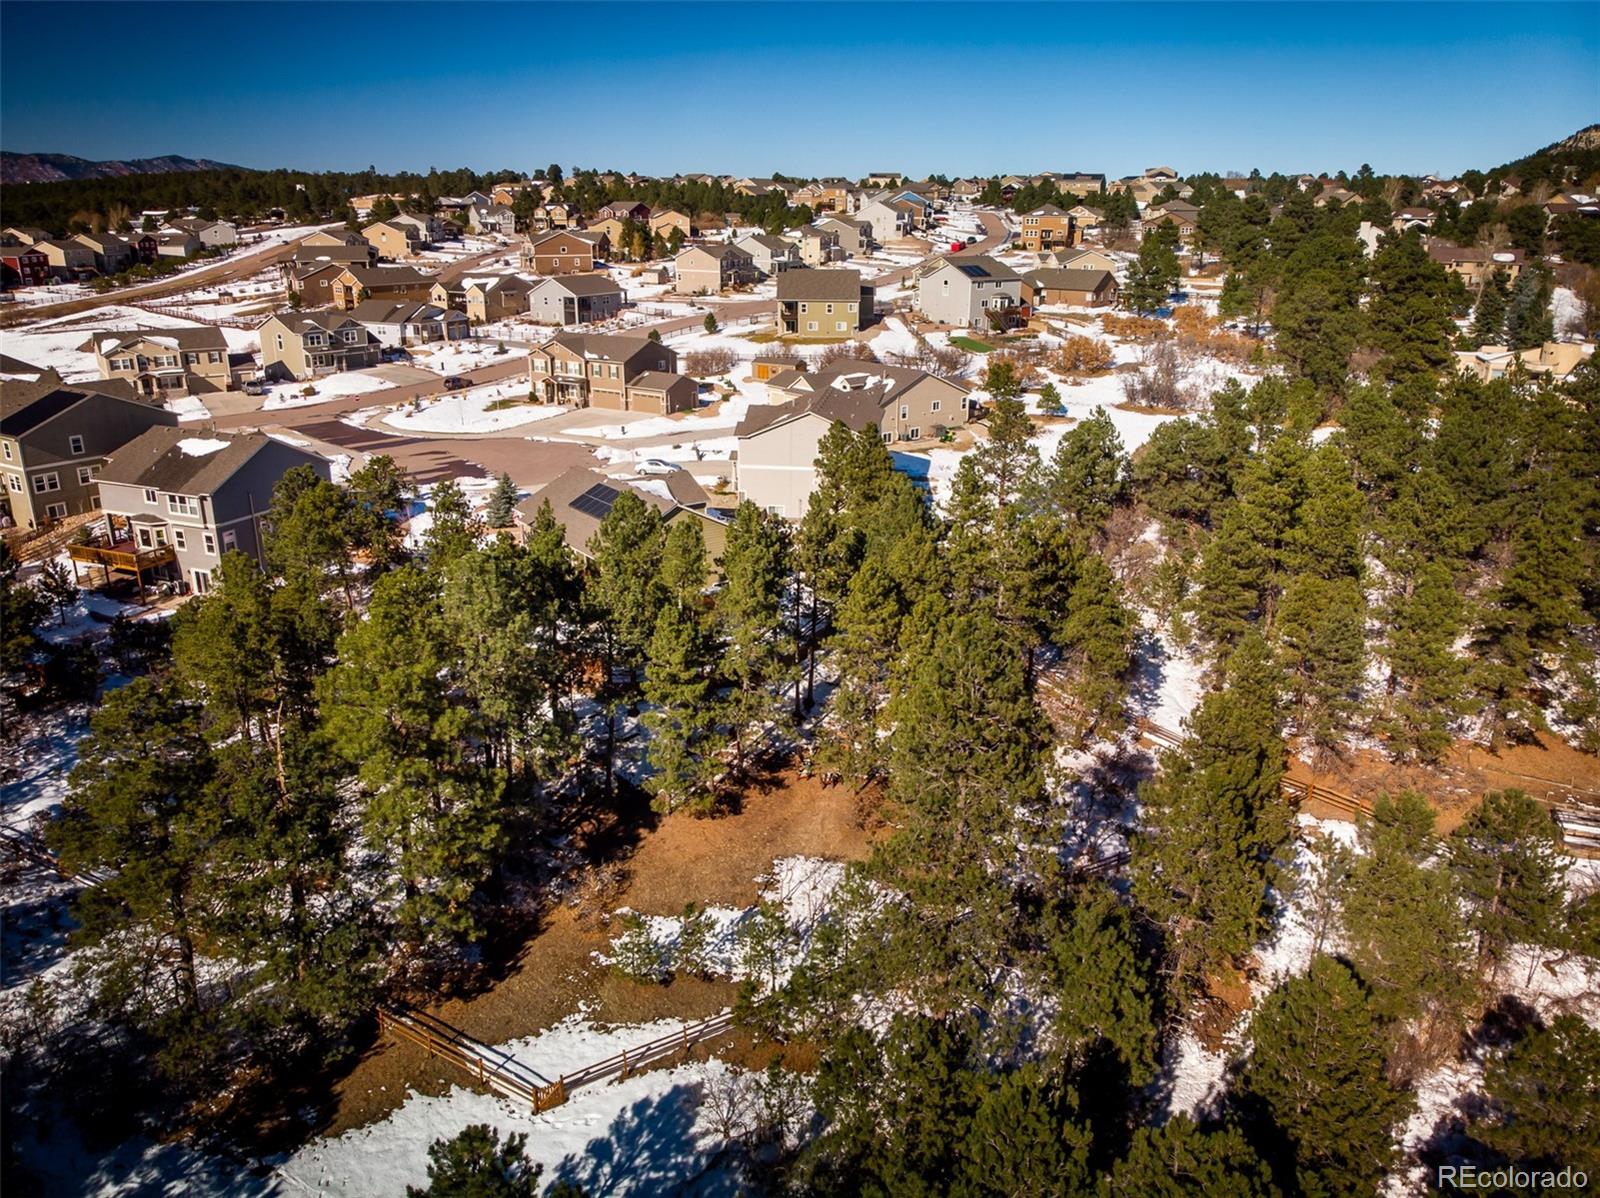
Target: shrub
{"x": 1081, "y": 355}
{"x": 702, "y": 363}
{"x": 845, "y": 351}
{"x": 1133, "y": 328}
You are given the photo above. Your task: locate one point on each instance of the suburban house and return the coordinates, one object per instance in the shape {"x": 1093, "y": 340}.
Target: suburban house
{"x": 397, "y": 325}
{"x": 54, "y": 440}
{"x": 581, "y": 498}
{"x": 303, "y": 345}
{"x": 1081, "y": 183}
{"x": 819, "y": 246}
{"x": 1184, "y": 218}
{"x": 575, "y": 299}
{"x": 428, "y": 226}
{"x": 558, "y": 252}
{"x": 614, "y": 230}
{"x": 485, "y": 297}
{"x": 165, "y": 363}
{"x": 1078, "y": 288}
{"x": 1082, "y": 259}
{"x": 778, "y": 444}
{"x": 668, "y": 219}
{"x": 310, "y": 270}
{"x": 1083, "y": 217}
{"x": 769, "y": 253}
{"x": 177, "y": 243}
{"x": 887, "y": 221}
{"x": 197, "y": 496}
{"x": 1475, "y": 264}
{"x": 554, "y": 216}
{"x": 713, "y": 267}
{"x": 392, "y": 239}
{"x": 1412, "y": 218}
{"x": 23, "y": 266}
{"x": 23, "y": 235}
{"x": 855, "y": 236}
{"x": 356, "y": 284}
{"x": 501, "y": 193}
{"x": 329, "y": 237}
{"x": 212, "y": 234}
{"x": 68, "y": 259}
{"x": 823, "y": 303}
{"x": 1048, "y": 228}
{"x": 494, "y": 218}
{"x": 111, "y": 253}
{"x": 1554, "y": 359}
{"x": 624, "y": 210}
{"x": 963, "y": 289}
{"x": 617, "y": 371}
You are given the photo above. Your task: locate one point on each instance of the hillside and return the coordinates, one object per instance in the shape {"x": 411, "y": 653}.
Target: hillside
{"x": 1571, "y": 159}
{"x": 53, "y": 168}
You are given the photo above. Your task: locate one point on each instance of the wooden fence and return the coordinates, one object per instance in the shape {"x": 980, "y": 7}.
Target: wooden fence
{"x": 504, "y": 1074}
{"x": 49, "y": 541}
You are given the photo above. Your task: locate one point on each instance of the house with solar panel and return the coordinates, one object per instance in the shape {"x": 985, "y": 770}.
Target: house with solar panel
{"x": 967, "y": 290}
{"x": 581, "y": 499}
{"x": 622, "y": 372}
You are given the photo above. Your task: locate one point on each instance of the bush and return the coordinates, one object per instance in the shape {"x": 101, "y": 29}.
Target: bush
{"x": 1161, "y": 380}
{"x": 1133, "y": 328}
{"x": 1084, "y": 355}
{"x": 702, "y": 363}
{"x": 1050, "y": 400}
{"x": 636, "y": 955}
{"x": 845, "y": 351}
{"x": 710, "y": 323}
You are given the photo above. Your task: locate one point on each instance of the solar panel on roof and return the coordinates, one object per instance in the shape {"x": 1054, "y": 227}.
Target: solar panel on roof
{"x": 596, "y": 501}
{"x": 972, "y": 271}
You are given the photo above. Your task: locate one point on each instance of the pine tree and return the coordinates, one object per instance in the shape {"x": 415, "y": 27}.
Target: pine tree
{"x": 380, "y": 496}
{"x": 22, "y": 610}
{"x": 502, "y": 503}
{"x": 58, "y": 587}
{"x": 1096, "y": 638}
{"x": 1085, "y": 479}
{"x": 1409, "y": 316}
{"x": 1427, "y": 675}
{"x": 625, "y": 587}
{"x": 1000, "y": 379}
{"x": 1489, "y": 317}
{"x": 1050, "y": 401}
{"x": 1317, "y": 1073}
{"x": 1152, "y": 278}
{"x": 1178, "y": 1160}
{"x": 1024, "y": 1138}
{"x": 683, "y": 566}
{"x": 1214, "y": 820}
{"x": 309, "y": 543}
{"x": 1007, "y": 459}
{"x": 454, "y": 530}
{"x": 758, "y": 650}
{"x": 1543, "y": 1108}
{"x": 1507, "y": 860}
{"x": 867, "y": 632}
{"x": 1233, "y": 580}
{"x": 475, "y": 1164}
{"x": 1320, "y": 636}
{"x": 677, "y": 684}
{"x": 1529, "y": 323}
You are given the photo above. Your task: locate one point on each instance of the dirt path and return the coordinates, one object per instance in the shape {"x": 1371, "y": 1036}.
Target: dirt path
{"x": 678, "y": 860}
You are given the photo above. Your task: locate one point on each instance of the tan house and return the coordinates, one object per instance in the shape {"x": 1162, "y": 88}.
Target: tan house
{"x": 559, "y": 252}
{"x": 668, "y": 219}
{"x": 855, "y": 236}
{"x": 1082, "y": 259}
{"x": 393, "y": 239}
{"x": 305, "y": 345}
{"x": 1048, "y": 228}
{"x": 556, "y": 215}
{"x": 1554, "y": 359}
{"x": 328, "y": 237}
{"x": 54, "y": 439}
{"x": 712, "y": 268}
{"x": 1475, "y": 264}
{"x": 778, "y": 443}
{"x": 616, "y": 371}
{"x": 818, "y": 246}
{"x": 485, "y": 297}
{"x": 67, "y": 259}
{"x": 1076, "y": 288}
{"x": 165, "y": 363}
{"x": 823, "y": 303}
{"x": 355, "y": 284}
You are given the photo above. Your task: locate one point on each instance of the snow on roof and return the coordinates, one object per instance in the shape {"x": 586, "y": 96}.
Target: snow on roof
{"x": 199, "y": 447}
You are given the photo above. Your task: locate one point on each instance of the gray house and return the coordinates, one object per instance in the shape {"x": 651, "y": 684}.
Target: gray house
{"x": 409, "y": 322}
{"x": 855, "y": 236}
{"x": 575, "y": 299}
{"x": 770, "y": 253}
{"x": 176, "y": 501}
{"x": 962, "y": 289}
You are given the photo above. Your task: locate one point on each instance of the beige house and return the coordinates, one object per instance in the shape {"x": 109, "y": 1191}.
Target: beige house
{"x": 68, "y": 259}
{"x": 621, "y": 372}
{"x": 555, "y": 215}
{"x": 1076, "y": 288}
{"x": 575, "y": 299}
{"x": 393, "y": 240}
{"x": 356, "y": 284}
{"x": 778, "y": 444}
{"x": 327, "y": 237}
{"x": 855, "y": 236}
{"x": 709, "y": 269}
{"x": 1081, "y": 259}
{"x": 818, "y": 246}
{"x": 668, "y": 219}
{"x": 485, "y": 297}
{"x": 823, "y": 303}
{"x": 1475, "y": 264}
{"x": 1048, "y": 228}
{"x": 54, "y": 440}
{"x": 1554, "y": 359}
{"x": 165, "y": 363}
{"x": 305, "y": 345}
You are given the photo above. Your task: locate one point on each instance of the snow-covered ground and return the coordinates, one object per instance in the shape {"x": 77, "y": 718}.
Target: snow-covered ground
{"x": 469, "y": 411}
{"x": 321, "y": 390}
{"x": 53, "y": 344}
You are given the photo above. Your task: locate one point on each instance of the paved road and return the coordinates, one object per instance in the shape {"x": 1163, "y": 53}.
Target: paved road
{"x": 530, "y": 464}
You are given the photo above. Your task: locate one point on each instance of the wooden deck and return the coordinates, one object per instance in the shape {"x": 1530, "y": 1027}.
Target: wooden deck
{"x": 124, "y": 556}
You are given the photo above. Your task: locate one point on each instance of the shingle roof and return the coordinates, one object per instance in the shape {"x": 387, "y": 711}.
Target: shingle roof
{"x": 326, "y": 319}
{"x": 27, "y": 405}
{"x": 839, "y": 286}
{"x": 580, "y": 499}
{"x": 1069, "y": 279}
{"x": 854, "y": 393}
{"x": 387, "y": 276}
{"x": 194, "y": 338}
{"x": 595, "y": 284}
{"x": 974, "y": 266}
{"x": 610, "y": 347}
{"x": 156, "y": 458}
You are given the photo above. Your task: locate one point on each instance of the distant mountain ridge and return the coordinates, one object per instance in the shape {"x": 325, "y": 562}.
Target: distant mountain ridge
{"x": 53, "y": 168}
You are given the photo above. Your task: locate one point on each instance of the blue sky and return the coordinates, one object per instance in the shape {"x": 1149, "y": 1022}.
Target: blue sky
{"x": 947, "y": 87}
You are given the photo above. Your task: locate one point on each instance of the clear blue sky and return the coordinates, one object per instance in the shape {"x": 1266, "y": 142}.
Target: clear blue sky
{"x": 933, "y": 87}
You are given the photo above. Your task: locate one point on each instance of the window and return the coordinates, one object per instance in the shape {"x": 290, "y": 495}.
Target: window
{"x": 936, "y": 404}
{"x": 85, "y": 476}
{"x": 14, "y": 482}
{"x": 887, "y": 437}
{"x": 178, "y": 538}
{"x": 840, "y": 326}
{"x": 830, "y": 309}
{"x": 774, "y": 509}
{"x": 811, "y": 326}
{"x": 905, "y": 410}
{"x": 211, "y": 544}
{"x": 7, "y": 448}
{"x": 202, "y": 581}
{"x": 56, "y": 511}
{"x": 149, "y": 494}
{"x": 193, "y": 359}
{"x": 183, "y": 505}
{"x": 280, "y": 340}
{"x": 214, "y": 356}
{"x": 913, "y": 434}
{"x": 46, "y": 482}
{"x": 75, "y": 446}
{"x": 121, "y": 363}
{"x": 229, "y": 541}
{"x": 144, "y": 539}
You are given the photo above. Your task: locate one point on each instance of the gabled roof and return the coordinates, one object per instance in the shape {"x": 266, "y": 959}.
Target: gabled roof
{"x": 387, "y": 276}
{"x": 974, "y": 266}
{"x": 1066, "y": 279}
{"x": 25, "y": 405}
{"x": 602, "y": 347}
{"x": 840, "y": 286}
{"x": 177, "y": 460}
{"x": 382, "y": 311}
{"x": 1047, "y": 210}
{"x": 326, "y": 319}
{"x": 853, "y": 393}
{"x": 580, "y": 499}
{"x": 595, "y": 284}
{"x": 197, "y": 338}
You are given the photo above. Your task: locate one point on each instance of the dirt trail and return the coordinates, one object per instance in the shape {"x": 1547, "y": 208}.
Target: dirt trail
{"x": 681, "y": 859}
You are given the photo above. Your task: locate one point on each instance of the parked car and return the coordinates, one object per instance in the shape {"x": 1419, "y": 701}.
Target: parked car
{"x": 456, "y": 381}
{"x": 972, "y": 241}
{"x": 657, "y": 466}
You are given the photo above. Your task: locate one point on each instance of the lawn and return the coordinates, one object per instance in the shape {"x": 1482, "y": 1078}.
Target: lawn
{"x": 971, "y": 344}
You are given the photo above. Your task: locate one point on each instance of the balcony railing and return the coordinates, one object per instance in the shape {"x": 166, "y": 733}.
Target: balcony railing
{"x": 124, "y": 555}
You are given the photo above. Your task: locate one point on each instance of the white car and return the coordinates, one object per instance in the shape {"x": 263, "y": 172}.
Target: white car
{"x": 657, "y": 466}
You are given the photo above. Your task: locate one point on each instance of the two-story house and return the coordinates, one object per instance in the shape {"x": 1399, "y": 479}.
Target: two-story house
{"x": 355, "y": 284}
{"x": 165, "y": 363}
{"x": 410, "y": 323}
{"x": 212, "y": 234}
{"x": 963, "y": 289}
{"x": 111, "y": 252}
{"x": 712, "y": 268}
{"x": 616, "y": 371}
{"x": 485, "y": 297}
{"x": 68, "y": 259}
{"x": 1078, "y": 288}
{"x": 823, "y": 303}
{"x": 575, "y": 299}
{"x": 305, "y": 345}
{"x": 818, "y": 246}
{"x": 55, "y": 438}
{"x": 769, "y": 253}
{"x": 778, "y": 443}
{"x": 667, "y": 219}
{"x": 1048, "y": 228}
{"x": 393, "y": 239}
{"x": 559, "y": 252}
{"x": 855, "y": 236}
{"x": 554, "y": 215}
{"x": 197, "y": 496}
{"x": 23, "y": 266}
{"x": 887, "y": 221}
